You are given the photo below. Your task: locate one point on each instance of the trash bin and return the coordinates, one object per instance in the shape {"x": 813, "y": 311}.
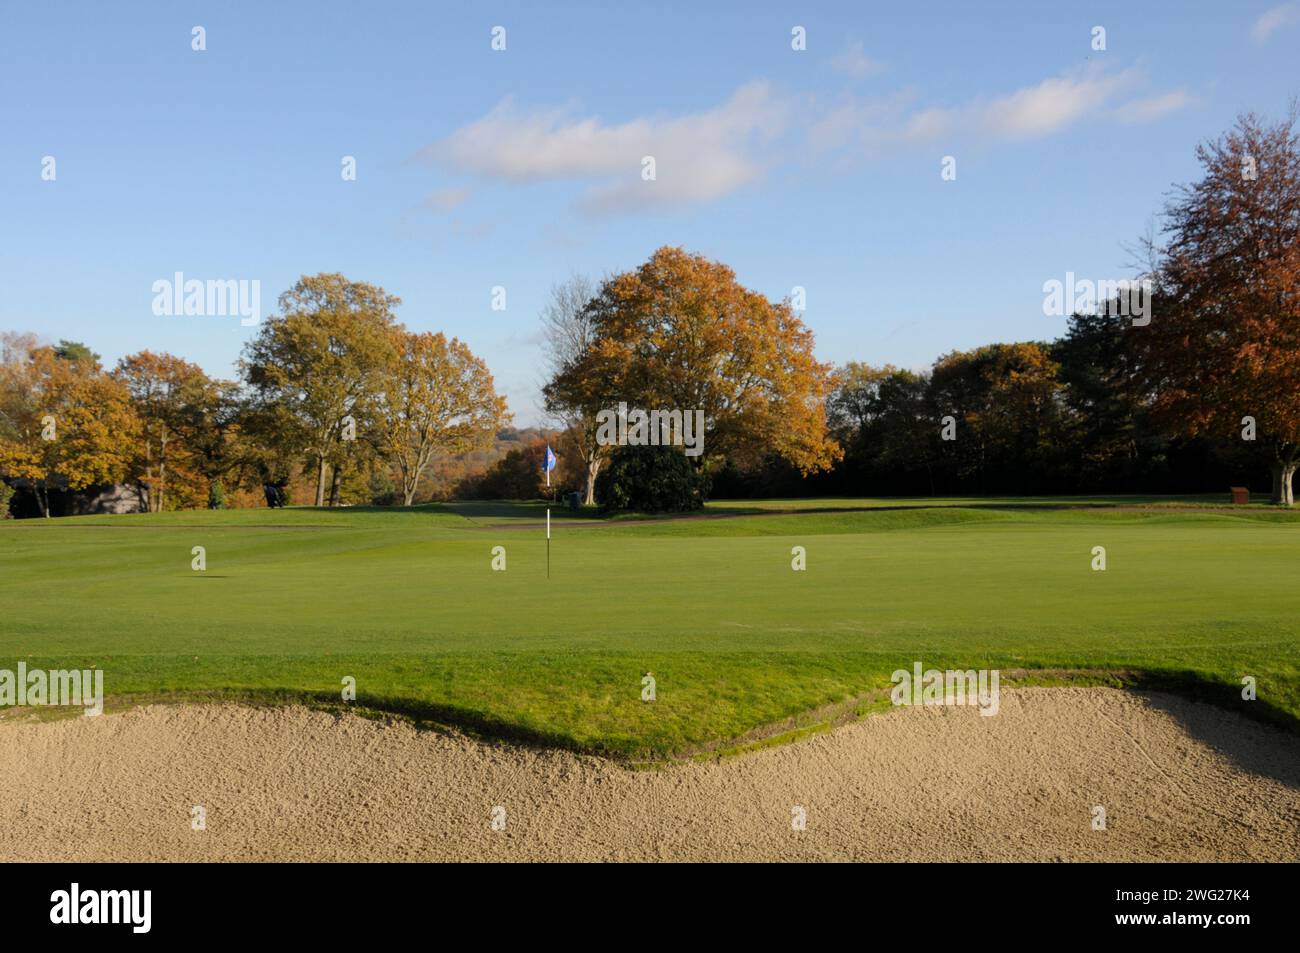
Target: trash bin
{"x": 1240, "y": 494}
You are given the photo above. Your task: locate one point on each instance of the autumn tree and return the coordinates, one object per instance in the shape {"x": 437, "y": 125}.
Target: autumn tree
{"x": 516, "y": 476}
{"x": 680, "y": 332}
{"x": 437, "y": 397}
{"x": 68, "y": 425}
{"x": 164, "y": 390}
{"x": 213, "y": 430}
{"x": 1007, "y": 409}
{"x": 319, "y": 363}
{"x": 1223, "y": 342}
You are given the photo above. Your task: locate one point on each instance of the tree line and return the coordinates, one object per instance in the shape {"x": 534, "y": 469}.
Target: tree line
{"x": 333, "y": 388}
{"x": 1199, "y": 392}
{"x": 334, "y": 392}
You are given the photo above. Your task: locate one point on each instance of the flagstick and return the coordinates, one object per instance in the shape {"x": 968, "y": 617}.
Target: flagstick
{"x": 548, "y": 541}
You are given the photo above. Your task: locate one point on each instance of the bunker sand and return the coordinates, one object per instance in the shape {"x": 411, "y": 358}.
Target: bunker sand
{"x": 1178, "y": 781}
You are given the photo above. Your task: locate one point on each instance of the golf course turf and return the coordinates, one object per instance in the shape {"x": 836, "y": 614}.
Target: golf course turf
{"x": 1194, "y": 597}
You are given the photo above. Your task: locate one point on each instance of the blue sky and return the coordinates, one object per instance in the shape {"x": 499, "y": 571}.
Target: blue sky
{"x": 478, "y": 168}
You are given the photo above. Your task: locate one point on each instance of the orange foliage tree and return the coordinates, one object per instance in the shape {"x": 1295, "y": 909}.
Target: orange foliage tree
{"x": 1223, "y": 343}
{"x": 68, "y": 424}
{"x": 435, "y": 397}
{"x": 165, "y": 390}
{"x": 680, "y": 332}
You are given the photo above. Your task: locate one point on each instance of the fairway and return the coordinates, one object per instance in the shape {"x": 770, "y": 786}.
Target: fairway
{"x": 406, "y": 602}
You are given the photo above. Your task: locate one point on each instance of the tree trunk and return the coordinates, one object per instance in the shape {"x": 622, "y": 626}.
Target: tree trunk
{"x": 1283, "y": 471}
{"x": 42, "y": 499}
{"x": 162, "y": 466}
{"x": 411, "y": 479}
{"x": 320, "y": 480}
{"x": 336, "y": 485}
{"x": 593, "y": 468}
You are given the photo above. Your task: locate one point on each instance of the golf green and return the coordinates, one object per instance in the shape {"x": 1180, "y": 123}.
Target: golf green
{"x": 407, "y": 603}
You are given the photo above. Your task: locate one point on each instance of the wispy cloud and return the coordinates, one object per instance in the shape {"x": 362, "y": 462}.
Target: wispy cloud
{"x": 1152, "y": 108}
{"x": 1031, "y": 112}
{"x": 853, "y": 62}
{"x": 1028, "y": 113}
{"x": 1276, "y": 18}
{"x": 698, "y": 156}
{"x": 706, "y": 155}
{"x": 444, "y": 200}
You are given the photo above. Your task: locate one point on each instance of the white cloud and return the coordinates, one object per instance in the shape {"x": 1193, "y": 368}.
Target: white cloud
{"x": 1152, "y": 108}
{"x": 854, "y": 62}
{"x": 1028, "y": 113}
{"x": 1032, "y": 112}
{"x": 1274, "y": 19}
{"x": 709, "y": 154}
{"x": 698, "y": 156}
{"x": 854, "y": 120}
{"x": 444, "y": 200}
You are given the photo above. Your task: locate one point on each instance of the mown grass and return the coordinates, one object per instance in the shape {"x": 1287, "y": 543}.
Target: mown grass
{"x": 406, "y": 602}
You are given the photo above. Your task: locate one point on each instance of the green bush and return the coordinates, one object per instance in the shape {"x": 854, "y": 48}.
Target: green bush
{"x": 6, "y": 494}
{"x": 383, "y": 491}
{"x": 651, "y": 480}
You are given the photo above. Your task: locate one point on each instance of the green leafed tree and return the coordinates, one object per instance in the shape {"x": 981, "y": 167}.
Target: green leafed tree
{"x": 319, "y": 366}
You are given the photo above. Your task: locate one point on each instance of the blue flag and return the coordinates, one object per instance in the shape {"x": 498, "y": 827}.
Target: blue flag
{"x": 549, "y": 465}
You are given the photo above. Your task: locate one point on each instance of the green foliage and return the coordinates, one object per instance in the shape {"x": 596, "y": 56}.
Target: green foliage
{"x": 320, "y": 361}
{"x": 216, "y": 496}
{"x": 651, "y": 480}
{"x": 6, "y": 494}
{"x": 383, "y": 491}
{"x": 76, "y": 352}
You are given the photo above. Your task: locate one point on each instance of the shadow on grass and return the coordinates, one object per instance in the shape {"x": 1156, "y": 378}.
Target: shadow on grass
{"x": 425, "y": 716}
{"x": 1208, "y": 724}
{"x": 420, "y": 509}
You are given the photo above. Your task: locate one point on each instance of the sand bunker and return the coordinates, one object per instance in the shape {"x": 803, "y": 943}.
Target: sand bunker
{"x": 1178, "y": 781}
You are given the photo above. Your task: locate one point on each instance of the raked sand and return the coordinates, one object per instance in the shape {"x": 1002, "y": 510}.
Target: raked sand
{"x": 1178, "y": 781}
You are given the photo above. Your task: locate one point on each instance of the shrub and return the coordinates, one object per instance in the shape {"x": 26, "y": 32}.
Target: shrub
{"x": 651, "y": 480}
{"x": 383, "y": 491}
